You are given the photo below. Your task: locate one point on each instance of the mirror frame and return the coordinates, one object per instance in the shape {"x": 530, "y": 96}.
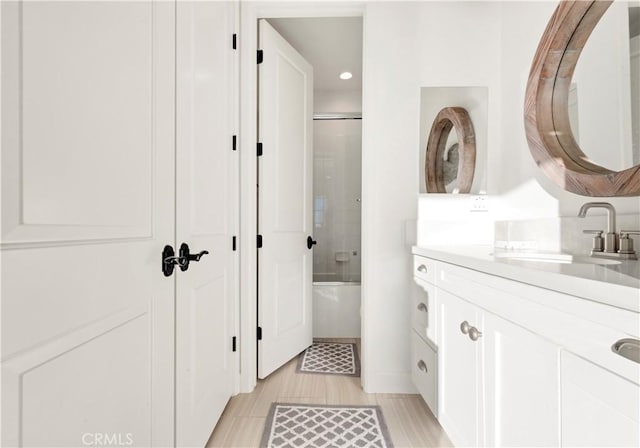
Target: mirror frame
{"x": 546, "y": 111}
{"x": 447, "y": 118}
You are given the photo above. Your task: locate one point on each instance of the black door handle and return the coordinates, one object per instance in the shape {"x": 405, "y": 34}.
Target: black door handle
{"x": 187, "y": 257}
{"x": 310, "y": 242}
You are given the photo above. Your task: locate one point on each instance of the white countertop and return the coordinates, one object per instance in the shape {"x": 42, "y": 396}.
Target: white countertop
{"x": 617, "y": 285}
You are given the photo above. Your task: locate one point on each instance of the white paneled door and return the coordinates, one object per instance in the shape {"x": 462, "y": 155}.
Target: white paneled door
{"x": 88, "y": 153}
{"x": 113, "y": 146}
{"x": 206, "y": 170}
{"x": 285, "y": 181}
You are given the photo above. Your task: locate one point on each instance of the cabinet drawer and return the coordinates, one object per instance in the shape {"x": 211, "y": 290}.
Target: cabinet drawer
{"x": 424, "y": 268}
{"x": 424, "y": 371}
{"x": 424, "y": 310}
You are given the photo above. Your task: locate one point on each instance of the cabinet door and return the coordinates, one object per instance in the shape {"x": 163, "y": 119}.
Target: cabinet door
{"x": 459, "y": 371}
{"x": 521, "y": 386}
{"x": 599, "y": 408}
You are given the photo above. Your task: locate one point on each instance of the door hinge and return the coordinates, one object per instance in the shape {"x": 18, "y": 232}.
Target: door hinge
{"x": 259, "y": 333}
{"x": 259, "y": 149}
{"x": 235, "y": 41}
{"x": 233, "y": 344}
{"x": 234, "y": 142}
{"x": 259, "y": 241}
{"x": 233, "y": 243}
{"x": 260, "y": 56}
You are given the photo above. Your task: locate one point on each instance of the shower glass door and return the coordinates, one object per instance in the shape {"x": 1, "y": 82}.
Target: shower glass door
{"x": 337, "y": 176}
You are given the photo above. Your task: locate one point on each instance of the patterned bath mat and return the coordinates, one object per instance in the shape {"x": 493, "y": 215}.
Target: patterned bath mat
{"x": 334, "y": 358}
{"x": 320, "y": 426}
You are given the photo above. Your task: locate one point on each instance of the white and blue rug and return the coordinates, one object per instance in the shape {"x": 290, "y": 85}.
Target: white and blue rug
{"x": 325, "y": 426}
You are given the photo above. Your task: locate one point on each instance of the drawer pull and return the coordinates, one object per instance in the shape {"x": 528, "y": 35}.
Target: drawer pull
{"x": 422, "y": 268}
{"x": 465, "y": 327}
{"x": 628, "y": 348}
{"x": 474, "y": 334}
{"x": 422, "y": 366}
{"x": 422, "y": 307}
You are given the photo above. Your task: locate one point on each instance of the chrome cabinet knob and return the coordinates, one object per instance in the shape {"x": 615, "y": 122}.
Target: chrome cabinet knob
{"x": 422, "y": 307}
{"x": 465, "y": 327}
{"x": 422, "y": 268}
{"x": 474, "y": 334}
{"x": 422, "y": 366}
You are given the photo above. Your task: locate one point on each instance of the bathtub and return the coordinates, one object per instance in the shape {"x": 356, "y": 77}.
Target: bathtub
{"x": 336, "y": 308}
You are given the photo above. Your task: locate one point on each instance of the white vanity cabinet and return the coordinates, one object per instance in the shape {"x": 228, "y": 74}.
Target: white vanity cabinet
{"x": 520, "y": 365}
{"x": 498, "y": 381}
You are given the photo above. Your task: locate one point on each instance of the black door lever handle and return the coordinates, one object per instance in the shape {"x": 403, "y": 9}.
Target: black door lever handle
{"x": 197, "y": 257}
{"x": 188, "y": 257}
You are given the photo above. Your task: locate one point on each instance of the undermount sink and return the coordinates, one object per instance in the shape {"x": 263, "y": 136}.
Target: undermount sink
{"x": 542, "y": 257}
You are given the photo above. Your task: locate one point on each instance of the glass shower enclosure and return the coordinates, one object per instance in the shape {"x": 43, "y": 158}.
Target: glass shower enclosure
{"x": 337, "y": 179}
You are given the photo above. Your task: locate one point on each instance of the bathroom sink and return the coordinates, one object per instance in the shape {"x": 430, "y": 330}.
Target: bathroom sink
{"x": 541, "y": 257}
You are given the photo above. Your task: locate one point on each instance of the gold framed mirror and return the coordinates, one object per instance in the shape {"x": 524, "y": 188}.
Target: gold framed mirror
{"x": 440, "y": 155}
{"x": 546, "y": 113}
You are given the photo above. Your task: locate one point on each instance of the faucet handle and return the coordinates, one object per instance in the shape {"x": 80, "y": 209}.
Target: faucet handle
{"x": 598, "y": 241}
{"x": 626, "y": 243}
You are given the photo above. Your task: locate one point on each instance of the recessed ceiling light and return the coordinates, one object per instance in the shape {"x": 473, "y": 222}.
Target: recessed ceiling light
{"x": 346, "y": 75}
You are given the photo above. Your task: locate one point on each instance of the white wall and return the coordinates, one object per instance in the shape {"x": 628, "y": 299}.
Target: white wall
{"x": 328, "y": 101}
{"x": 408, "y": 46}
{"x": 513, "y": 175}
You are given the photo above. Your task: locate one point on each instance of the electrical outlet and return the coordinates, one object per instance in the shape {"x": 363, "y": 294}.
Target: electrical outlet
{"x": 479, "y": 203}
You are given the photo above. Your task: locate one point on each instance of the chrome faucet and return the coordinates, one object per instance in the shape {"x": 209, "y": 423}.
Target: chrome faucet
{"x": 611, "y": 245}
{"x": 611, "y": 238}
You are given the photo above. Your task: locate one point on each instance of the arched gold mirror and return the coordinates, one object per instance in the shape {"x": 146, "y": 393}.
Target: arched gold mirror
{"x": 450, "y": 166}
{"x": 547, "y": 118}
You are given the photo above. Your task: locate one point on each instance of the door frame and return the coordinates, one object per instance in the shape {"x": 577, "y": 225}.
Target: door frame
{"x": 250, "y": 13}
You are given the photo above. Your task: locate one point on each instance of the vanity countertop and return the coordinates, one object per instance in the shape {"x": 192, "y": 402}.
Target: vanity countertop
{"x": 617, "y": 285}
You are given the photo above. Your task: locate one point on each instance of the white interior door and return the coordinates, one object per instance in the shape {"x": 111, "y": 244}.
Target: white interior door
{"x": 285, "y": 182}
{"x": 206, "y": 166}
{"x": 87, "y": 206}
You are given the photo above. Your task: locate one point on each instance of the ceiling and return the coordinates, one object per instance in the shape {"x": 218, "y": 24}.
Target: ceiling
{"x": 331, "y": 45}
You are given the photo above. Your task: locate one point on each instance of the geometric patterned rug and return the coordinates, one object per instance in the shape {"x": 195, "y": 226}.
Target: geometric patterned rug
{"x": 320, "y": 426}
{"x": 331, "y": 358}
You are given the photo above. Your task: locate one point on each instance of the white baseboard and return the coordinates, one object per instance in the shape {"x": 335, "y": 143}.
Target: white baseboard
{"x": 388, "y": 383}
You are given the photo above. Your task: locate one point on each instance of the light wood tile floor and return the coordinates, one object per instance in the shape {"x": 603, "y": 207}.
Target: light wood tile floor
{"x": 410, "y": 422}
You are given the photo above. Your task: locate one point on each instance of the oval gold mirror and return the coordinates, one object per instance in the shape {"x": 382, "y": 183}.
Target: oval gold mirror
{"x": 547, "y": 120}
{"x": 450, "y": 166}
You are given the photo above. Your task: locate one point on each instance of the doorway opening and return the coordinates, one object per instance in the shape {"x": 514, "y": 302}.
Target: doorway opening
{"x": 332, "y": 46}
